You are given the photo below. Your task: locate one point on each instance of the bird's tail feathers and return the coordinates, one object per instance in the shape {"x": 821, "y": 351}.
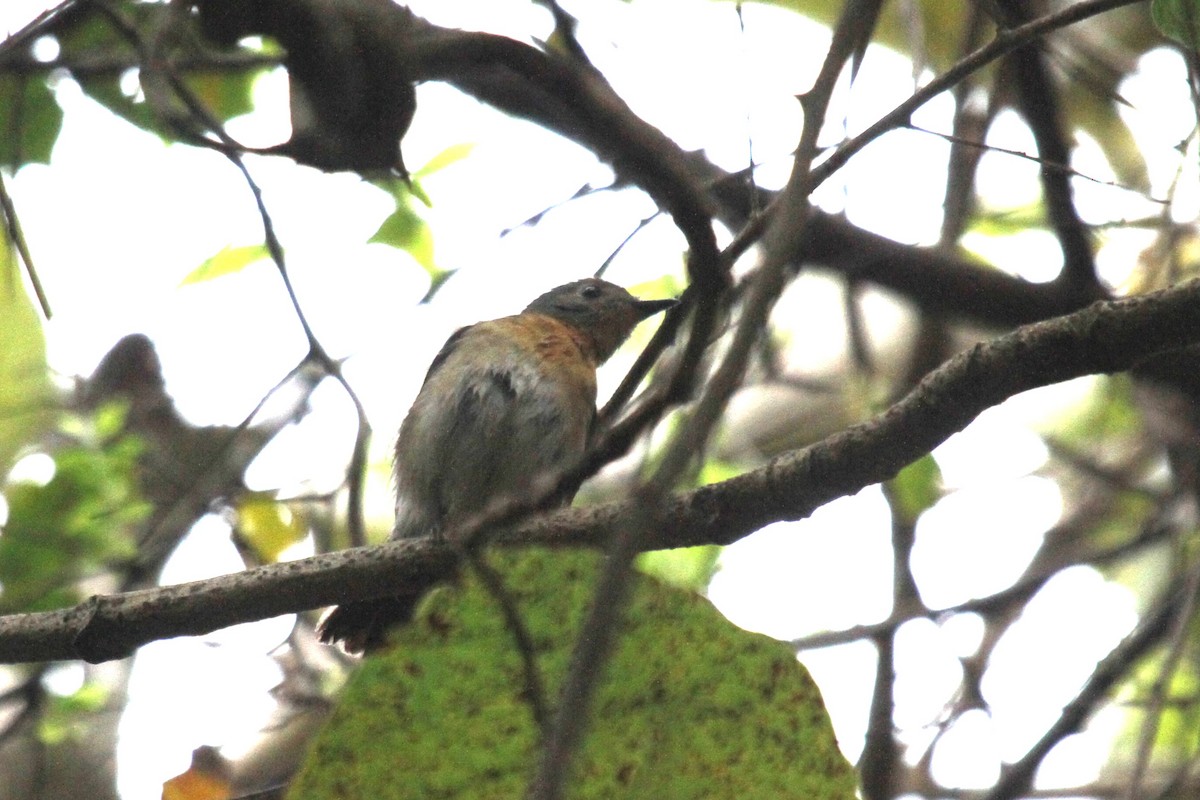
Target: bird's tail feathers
{"x": 363, "y": 626}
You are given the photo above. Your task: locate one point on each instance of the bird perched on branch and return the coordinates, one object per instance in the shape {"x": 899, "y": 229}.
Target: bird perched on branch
{"x": 507, "y": 405}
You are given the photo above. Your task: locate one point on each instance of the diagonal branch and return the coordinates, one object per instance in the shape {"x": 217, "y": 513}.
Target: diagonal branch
{"x": 1038, "y": 100}
{"x": 1017, "y": 778}
{"x": 599, "y": 631}
{"x": 1106, "y": 337}
{"x": 521, "y": 80}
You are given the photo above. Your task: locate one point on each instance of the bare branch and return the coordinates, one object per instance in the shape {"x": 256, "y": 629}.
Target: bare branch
{"x": 1017, "y": 778}
{"x": 1106, "y": 337}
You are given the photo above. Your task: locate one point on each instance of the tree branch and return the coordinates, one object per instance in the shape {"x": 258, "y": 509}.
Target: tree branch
{"x": 521, "y": 80}
{"x": 1038, "y": 101}
{"x": 1105, "y": 337}
{"x": 1017, "y": 778}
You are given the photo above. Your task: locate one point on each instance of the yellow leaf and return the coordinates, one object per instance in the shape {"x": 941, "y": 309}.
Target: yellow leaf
{"x": 268, "y": 526}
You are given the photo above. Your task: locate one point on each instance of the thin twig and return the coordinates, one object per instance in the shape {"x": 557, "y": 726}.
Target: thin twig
{"x": 1178, "y": 639}
{"x": 1107, "y": 337}
{"x": 356, "y": 469}
{"x": 15, "y": 235}
{"x": 535, "y": 690}
{"x": 1044, "y": 163}
{"x": 210, "y": 478}
{"x": 598, "y": 632}
{"x": 1018, "y": 592}
{"x": 1006, "y": 41}
{"x": 1039, "y": 104}
{"x": 1017, "y": 778}
{"x": 39, "y": 26}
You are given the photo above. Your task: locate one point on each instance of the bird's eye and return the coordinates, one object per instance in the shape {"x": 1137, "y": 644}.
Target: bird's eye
{"x": 590, "y": 292}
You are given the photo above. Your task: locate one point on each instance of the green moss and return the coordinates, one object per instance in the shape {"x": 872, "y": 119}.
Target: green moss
{"x": 690, "y": 707}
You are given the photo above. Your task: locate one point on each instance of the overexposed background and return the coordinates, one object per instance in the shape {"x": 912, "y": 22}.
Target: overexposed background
{"x": 118, "y": 219}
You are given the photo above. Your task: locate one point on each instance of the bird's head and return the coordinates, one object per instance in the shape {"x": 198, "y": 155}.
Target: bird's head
{"x": 603, "y": 311}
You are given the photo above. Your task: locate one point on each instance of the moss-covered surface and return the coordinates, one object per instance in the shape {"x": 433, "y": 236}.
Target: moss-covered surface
{"x": 691, "y": 706}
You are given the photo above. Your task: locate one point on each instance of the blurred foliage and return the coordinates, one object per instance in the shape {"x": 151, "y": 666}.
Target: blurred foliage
{"x": 694, "y": 707}
{"x": 229, "y": 260}
{"x": 268, "y": 526}
{"x": 715, "y": 470}
{"x": 63, "y": 714}
{"x": 931, "y": 29}
{"x": 1179, "y": 19}
{"x": 25, "y": 388}
{"x": 931, "y": 32}
{"x": 1129, "y": 512}
{"x": 1108, "y": 413}
{"x": 223, "y": 93}
{"x": 30, "y": 120}
{"x": 917, "y": 488}
{"x": 76, "y": 524}
{"x": 1009, "y": 221}
{"x": 1176, "y": 718}
{"x": 689, "y": 568}
{"x": 405, "y": 228}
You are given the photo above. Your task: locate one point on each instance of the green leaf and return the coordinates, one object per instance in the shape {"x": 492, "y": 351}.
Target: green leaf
{"x": 25, "y": 389}
{"x": 451, "y": 155}
{"x": 415, "y": 189}
{"x": 437, "y": 279}
{"x": 405, "y": 230}
{"x": 30, "y": 119}
{"x": 685, "y": 567}
{"x": 268, "y": 525}
{"x": 1178, "y": 19}
{"x": 940, "y": 20}
{"x": 224, "y": 93}
{"x": 917, "y": 488}
{"x": 228, "y": 261}
{"x": 1096, "y": 111}
{"x": 64, "y": 716}
{"x": 80, "y": 521}
{"x": 690, "y": 706}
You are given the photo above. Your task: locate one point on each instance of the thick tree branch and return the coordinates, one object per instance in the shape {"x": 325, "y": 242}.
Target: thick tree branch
{"x": 937, "y": 281}
{"x": 529, "y": 83}
{"x": 1106, "y": 337}
{"x": 113, "y": 626}
{"x": 599, "y": 631}
{"x": 579, "y": 104}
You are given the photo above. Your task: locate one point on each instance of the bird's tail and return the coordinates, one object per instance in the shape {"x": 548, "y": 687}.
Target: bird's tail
{"x": 363, "y": 626}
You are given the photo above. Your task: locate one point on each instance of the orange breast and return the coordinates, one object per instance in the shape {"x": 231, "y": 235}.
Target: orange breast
{"x": 565, "y": 354}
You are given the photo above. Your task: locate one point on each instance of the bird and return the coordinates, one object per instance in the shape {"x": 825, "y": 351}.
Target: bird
{"x": 507, "y": 405}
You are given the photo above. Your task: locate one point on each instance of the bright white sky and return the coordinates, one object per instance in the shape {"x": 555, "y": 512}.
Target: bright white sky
{"x": 118, "y": 219}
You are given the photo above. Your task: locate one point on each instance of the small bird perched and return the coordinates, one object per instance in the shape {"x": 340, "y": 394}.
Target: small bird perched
{"x": 506, "y": 404}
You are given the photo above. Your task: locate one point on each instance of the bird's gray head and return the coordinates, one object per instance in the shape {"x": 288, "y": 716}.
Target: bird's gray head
{"x": 602, "y": 310}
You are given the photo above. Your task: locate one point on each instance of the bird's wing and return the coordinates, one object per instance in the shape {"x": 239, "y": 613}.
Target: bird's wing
{"x": 449, "y": 347}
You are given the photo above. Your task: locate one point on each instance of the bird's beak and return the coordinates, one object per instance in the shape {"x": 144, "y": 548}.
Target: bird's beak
{"x": 648, "y": 308}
